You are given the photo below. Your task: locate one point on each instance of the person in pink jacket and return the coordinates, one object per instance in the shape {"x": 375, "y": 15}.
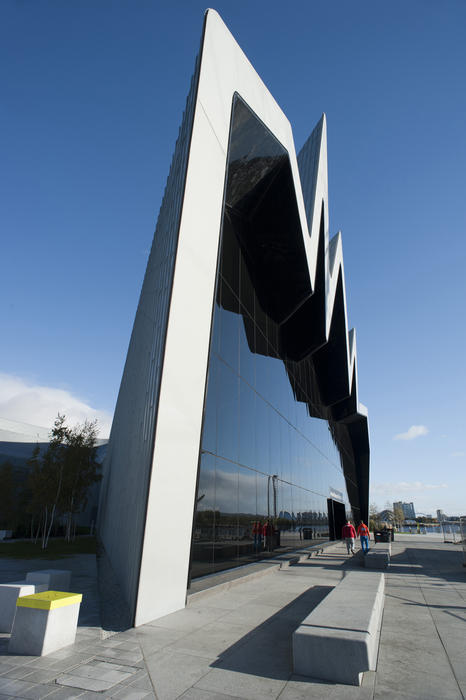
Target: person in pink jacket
{"x": 348, "y": 534}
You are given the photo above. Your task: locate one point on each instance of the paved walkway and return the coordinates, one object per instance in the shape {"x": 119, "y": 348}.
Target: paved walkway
{"x": 237, "y": 643}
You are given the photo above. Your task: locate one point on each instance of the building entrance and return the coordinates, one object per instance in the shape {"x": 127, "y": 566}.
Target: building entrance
{"x": 336, "y": 518}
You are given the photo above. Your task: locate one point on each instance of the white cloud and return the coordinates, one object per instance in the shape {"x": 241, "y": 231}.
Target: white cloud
{"x": 38, "y": 405}
{"x": 458, "y": 454}
{"x": 218, "y": 493}
{"x": 405, "y": 487}
{"x": 414, "y": 432}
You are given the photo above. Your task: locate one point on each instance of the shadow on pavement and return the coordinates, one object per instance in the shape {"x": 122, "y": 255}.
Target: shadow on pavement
{"x": 432, "y": 562}
{"x": 266, "y": 651}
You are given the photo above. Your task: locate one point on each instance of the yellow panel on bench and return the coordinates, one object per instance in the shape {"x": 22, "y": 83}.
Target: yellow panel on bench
{"x": 48, "y": 600}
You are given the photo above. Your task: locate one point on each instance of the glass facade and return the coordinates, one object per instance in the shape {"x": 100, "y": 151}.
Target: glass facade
{"x": 269, "y": 460}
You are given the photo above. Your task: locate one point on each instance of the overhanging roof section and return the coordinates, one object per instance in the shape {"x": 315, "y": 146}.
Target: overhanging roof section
{"x": 260, "y": 199}
{"x": 330, "y": 343}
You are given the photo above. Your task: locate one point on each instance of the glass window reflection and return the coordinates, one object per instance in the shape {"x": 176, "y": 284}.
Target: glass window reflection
{"x": 268, "y": 459}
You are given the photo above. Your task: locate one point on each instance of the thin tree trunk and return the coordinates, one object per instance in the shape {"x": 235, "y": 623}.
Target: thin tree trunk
{"x": 44, "y": 531}
{"x": 52, "y": 515}
{"x": 68, "y": 526}
{"x": 38, "y": 530}
{"x": 70, "y": 519}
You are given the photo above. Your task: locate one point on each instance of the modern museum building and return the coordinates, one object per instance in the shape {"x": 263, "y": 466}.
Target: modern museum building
{"x": 238, "y": 432}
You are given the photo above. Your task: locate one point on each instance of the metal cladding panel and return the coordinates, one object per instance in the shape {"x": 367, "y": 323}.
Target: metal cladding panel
{"x": 127, "y": 468}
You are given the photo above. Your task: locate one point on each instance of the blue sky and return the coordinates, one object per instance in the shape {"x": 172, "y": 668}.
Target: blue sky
{"x": 92, "y": 93}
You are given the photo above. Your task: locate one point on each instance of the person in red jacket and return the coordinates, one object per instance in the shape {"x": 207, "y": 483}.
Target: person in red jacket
{"x": 257, "y": 532}
{"x": 364, "y": 534}
{"x": 267, "y": 535}
{"x": 348, "y": 534}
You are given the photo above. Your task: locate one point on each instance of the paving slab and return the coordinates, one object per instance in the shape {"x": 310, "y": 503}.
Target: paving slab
{"x": 234, "y": 641}
{"x": 198, "y": 694}
{"x": 173, "y": 672}
{"x": 211, "y": 639}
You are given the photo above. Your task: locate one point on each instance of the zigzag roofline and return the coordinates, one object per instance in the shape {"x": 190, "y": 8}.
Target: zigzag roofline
{"x": 312, "y": 163}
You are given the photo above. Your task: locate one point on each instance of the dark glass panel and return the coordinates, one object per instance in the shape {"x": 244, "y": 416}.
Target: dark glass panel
{"x": 247, "y": 425}
{"x": 260, "y": 319}
{"x": 299, "y": 476}
{"x": 229, "y": 267}
{"x": 204, "y": 521}
{"x": 263, "y": 377}
{"x": 274, "y": 442}
{"x": 262, "y": 411}
{"x": 226, "y": 503}
{"x": 247, "y": 512}
{"x": 261, "y": 494}
{"x": 209, "y": 435}
{"x": 246, "y": 293}
{"x": 215, "y": 337}
{"x": 285, "y": 450}
{"x": 229, "y": 337}
{"x": 286, "y": 507}
{"x": 294, "y": 436}
{"x": 279, "y": 387}
{"x": 247, "y": 362}
{"x": 262, "y": 456}
{"x": 227, "y": 412}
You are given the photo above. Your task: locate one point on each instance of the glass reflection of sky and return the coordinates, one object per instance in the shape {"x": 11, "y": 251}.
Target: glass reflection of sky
{"x": 262, "y": 454}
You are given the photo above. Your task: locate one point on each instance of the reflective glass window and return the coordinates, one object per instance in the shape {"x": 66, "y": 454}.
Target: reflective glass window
{"x": 268, "y": 459}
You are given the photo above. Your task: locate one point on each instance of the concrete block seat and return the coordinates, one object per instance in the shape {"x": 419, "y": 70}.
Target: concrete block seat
{"x": 378, "y": 557}
{"x": 339, "y": 640}
{"x": 44, "y": 622}
{"x": 9, "y": 594}
{"x": 286, "y": 560}
{"x": 55, "y": 579}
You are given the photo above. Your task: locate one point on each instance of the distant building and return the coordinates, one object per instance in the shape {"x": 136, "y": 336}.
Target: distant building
{"x": 441, "y": 516}
{"x": 407, "y": 508}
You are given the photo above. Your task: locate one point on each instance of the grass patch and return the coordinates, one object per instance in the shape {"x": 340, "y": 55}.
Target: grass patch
{"x": 57, "y": 548}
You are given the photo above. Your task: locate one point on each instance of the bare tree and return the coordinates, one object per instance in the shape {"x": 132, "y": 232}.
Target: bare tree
{"x": 398, "y": 516}
{"x": 374, "y": 518}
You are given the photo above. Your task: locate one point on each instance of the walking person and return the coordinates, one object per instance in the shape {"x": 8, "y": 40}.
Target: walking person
{"x": 364, "y": 534}
{"x": 257, "y": 532}
{"x": 348, "y": 533}
{"x": 267, "y": 535}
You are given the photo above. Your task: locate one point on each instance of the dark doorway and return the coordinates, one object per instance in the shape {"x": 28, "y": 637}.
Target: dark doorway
{"x": 336, "y": 518}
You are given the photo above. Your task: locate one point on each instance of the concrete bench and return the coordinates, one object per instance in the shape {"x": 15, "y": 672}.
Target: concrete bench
{"x": 44, "y": 622}
{"x": 339, "y": 640}
{"x": 378, "y": 557}
{"x": 287, "y": 560}
{"x": 9, "y": 593}
{"x": 55, "y": 579}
